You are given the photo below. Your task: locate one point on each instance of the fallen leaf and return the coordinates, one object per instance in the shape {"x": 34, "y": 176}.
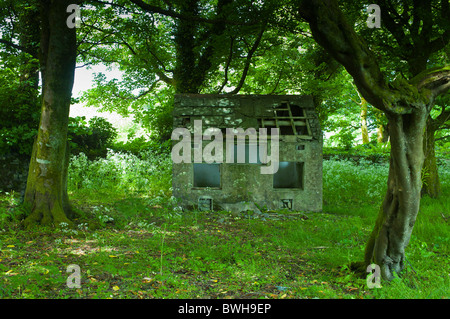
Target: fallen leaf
{"x": 115, "y": 288}
{"x": 10, "y": 246}
{"x": 112, "y": 256}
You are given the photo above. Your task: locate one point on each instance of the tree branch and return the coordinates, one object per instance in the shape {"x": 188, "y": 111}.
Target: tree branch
{"x": 442, "y": 138}
{"x": 170, "y": 13}
{"x": 227, "y": 66}
{"x": 248, "y": 61}
{"x": 158, "y": 72}
{"x": 443, "y": 117}
{"x": 331, "y": 30}
{"x": 393, "y": 27}
{"x": 436, "y": 80}
{"x": 277, "y": 83}
{"x": 18, "y": 47}
{"x": 134, "y": 98}
{"x": 160, "y": 62}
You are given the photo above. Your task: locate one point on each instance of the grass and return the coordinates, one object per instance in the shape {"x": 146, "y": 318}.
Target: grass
{"x": 135, "y": 243}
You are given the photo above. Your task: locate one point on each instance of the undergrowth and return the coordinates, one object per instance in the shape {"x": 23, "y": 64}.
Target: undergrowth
{"x": 131, "y": 240}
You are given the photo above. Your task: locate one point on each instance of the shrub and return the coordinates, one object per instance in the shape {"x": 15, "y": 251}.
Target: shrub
{"x": 91, "y": 137}
{"x": 350, "y": 182}
{"x": 122, "y": 172}
{"x": 19, "y": 112}
{"x": 140, "y": 146}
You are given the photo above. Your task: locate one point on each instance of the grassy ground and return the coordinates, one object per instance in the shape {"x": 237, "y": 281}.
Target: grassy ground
{"x": 134, "y": 246}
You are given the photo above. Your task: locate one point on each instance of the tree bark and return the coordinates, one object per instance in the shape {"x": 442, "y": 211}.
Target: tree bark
{"x": 398, "y": 213}
{"x": 193, "y": 64}
{"x": 45, "y": 192}
{"x": 29, "y": 38}
{"x": 430, "y": 175}
{"x": 382, "y": 129}
{"x": 364, "y": 130}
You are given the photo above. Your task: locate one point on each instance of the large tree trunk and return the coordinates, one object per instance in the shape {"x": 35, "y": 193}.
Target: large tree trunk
{"x": 397, "y": 215}
{"x": 364, "y": 130}
{"x": 430, "y": 176}
{"x": 28, "y": 28}
{"x": 193, "y": 64}
{"x": 45, "y": 193}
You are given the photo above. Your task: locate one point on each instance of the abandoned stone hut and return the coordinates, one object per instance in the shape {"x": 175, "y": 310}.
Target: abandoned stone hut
{"x": 235, "y": 178}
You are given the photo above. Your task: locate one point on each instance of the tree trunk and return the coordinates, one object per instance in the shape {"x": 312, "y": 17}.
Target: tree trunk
{"x": 430, "y": 176}
{"x": 184, "y": 79}
{"x": 382, "y": 129}
{"x": 45, "y": 192}
{"x": 397, "y": 215}
{"x": 28, "y": 28}
{"x": 193, "y": 64}
{"x": 364, "y": 130}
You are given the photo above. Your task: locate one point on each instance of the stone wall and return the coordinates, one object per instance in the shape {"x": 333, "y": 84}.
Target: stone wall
{"x": 243, "y": 182}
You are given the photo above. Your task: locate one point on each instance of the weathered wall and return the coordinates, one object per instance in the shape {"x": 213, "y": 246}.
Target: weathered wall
{"x": 244, "y": 182}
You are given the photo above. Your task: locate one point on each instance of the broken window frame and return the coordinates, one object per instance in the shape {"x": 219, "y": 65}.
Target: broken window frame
{"x": 279, "y": 121}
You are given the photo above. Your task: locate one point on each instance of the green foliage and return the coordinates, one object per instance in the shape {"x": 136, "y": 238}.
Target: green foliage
{"x": 121, "y": 172}
{"x": 341, "y": 180}
{"x": 140, "y": 145}
{"x": 143, "y": 246}
{"x": 19, "y": 111}
{"x": 91, "y": 137}
{"x": 9, "y": 209}
{"x": 373, "y": 152}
